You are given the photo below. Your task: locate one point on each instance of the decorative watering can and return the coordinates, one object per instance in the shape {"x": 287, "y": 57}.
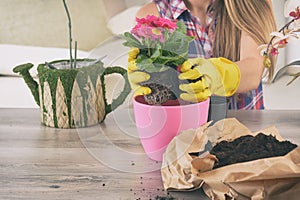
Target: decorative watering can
{"x": 71, "y": 98}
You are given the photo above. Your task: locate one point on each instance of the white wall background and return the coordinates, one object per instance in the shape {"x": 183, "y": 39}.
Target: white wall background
{"x": 44, "y": 23}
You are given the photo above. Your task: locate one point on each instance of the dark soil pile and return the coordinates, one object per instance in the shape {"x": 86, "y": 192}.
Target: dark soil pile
{"x": 164, "y": 86}
{"x": 248, "y": 148}
{"x": 159, "y": 94}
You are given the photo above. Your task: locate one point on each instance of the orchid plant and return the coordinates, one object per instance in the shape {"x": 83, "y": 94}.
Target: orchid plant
{"x": 161, "y": 43}
{"x": 281, "y": 38}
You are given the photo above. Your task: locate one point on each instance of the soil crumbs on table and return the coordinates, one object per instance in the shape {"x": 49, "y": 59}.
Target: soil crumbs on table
{"x": 248, "y": 148}
{"x": 164, "y": 198}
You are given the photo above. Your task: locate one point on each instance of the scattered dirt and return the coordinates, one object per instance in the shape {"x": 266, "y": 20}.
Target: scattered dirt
{"x": 248, "y": 148}
{"x": 164, "y": 198}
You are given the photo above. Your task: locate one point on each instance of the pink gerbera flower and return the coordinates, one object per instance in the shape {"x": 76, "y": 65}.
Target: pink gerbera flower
{"x": 153, "y": 27}
{"x": 154, "y": 21}
{"x": 162, "y": 43}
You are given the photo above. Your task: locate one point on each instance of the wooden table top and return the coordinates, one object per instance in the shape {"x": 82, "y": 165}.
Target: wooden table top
{"x": 99, "y": 162}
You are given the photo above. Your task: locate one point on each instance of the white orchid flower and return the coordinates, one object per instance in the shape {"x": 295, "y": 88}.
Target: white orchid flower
{"x": 296, "y": 26}
{"x": 262, "y": 49}
{"x": 279, "y": 36}
{"x": 279, "y": 40}
{"x": 290, "y": 6}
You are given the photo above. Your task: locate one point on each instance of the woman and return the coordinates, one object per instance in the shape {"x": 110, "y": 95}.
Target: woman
{"x": 226, "y": 28}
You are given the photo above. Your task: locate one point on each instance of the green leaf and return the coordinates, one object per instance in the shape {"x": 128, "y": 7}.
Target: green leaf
{"x": 181, "y": 27}
{"x": 156, "y": 54}
{"x": 131, "y": 41}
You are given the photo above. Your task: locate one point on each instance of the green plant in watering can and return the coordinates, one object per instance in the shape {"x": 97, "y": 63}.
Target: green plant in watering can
{"x": 71, "y": 93}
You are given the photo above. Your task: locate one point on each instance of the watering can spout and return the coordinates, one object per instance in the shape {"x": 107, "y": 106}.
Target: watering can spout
{"x": 23, "y": 70}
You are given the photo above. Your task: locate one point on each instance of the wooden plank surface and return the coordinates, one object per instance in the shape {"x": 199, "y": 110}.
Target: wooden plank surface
{"x": 98, "y": 162}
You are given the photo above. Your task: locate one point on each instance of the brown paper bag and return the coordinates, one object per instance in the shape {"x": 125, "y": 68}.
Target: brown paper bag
{"x": 269, "y": 178}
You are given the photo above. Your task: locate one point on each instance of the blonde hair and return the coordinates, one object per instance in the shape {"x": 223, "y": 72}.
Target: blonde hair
{"x": 255, "y": 17}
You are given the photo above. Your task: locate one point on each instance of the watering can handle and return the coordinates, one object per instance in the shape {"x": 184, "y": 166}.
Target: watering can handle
{"x": 126, "y": 90}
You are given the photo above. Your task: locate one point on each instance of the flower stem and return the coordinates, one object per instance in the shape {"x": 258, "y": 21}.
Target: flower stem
{"x": 70, "y": 33}
{"x": 295, "y": 76}
{"x": 75, "y": 56}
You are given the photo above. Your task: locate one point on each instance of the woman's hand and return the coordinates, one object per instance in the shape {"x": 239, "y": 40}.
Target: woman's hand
{"x": 217, "y": 76}
{"x": 135, "y": 76}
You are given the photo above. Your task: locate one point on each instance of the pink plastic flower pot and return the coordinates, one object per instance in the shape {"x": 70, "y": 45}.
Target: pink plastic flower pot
{"x": 158, "y": 125}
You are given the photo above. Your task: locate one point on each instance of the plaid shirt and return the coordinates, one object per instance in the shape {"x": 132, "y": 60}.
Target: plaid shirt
{"x": 202, "y": 47}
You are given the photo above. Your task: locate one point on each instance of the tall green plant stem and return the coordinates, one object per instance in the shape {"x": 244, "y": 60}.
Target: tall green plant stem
{"x": 70, "y": 35}
{"x": 75, "y": 56}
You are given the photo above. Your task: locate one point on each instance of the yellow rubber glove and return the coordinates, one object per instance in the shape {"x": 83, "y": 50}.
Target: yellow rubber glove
{"x": 218, "y": 76}
{"x": 135, "y": 76}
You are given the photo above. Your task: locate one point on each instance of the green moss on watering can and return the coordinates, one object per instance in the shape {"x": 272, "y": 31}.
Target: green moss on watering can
{"x": 118, "y": 101}
{"x": 23, "y": 70}
{"x": 68, "y": 77}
